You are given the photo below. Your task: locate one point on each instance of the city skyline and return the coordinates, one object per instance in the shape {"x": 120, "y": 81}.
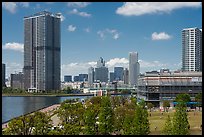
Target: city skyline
{"x": 110, "y": 34}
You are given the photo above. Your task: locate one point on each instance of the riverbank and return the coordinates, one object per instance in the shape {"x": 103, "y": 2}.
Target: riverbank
{"x": 48, "y": 110}
{"x": 40, "y": 94}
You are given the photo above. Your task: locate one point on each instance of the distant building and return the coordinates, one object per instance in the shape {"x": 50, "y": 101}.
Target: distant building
{"x": 76, "y": 78}
{"x": 42, "y": 51}
{"x": 133, "y": 68}
{"x": 17, "y": 80}
{"x": 164, "y": 71}
{"x": 156, "y": 87}
{"x": 90, "y": 76}
{"x": 126, "y": 76}
{"x": 100, "y": 63}
{"x": 101, "y": 72}
{"x": 118, "y": 73}
{"x": 3, "y": 75}
{"x": 68, "y": 78}
{"x": 192, "y": 49}
{"x": 83, "y": 77}
{"x": 111, "y": 76}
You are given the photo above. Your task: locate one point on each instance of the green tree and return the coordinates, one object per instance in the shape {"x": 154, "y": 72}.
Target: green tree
{"x": 180, "y": 120}
{"x": 20, "y": 126}
{"x": 42, "y": 123}
{"x": 141, "y": 122}
{"x": 127, "y": 128}
{"x": 150, "y": 106}
{"x": 106, "y": 117}
{"x": 166, "y": 105}
{"x": 90, "y": 117}
{"x": 167, "y": 130}
{"x": 198, "y": 99}
{"x": 183, "y": 98}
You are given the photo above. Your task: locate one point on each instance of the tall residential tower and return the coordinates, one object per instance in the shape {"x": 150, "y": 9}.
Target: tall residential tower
{"x": 192, "y": 49}
{"x": 42, "y": 51}
{"x": 133, "y": 68}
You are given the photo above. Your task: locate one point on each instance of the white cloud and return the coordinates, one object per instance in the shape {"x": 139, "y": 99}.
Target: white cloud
{"x": 78, "y": 4}
{"x": 71, "y": 28}
{"x": 24, "y": 4}
{"x": 160, "y": 36}
{"x": 14, "y": 46}
{"x": 114, "y": 33}
{"x": 87, "y": 30}
{"x": 151, "y": 64}
{"x": 117, "y": 62}
{"x": 77, "y": 68}
{"x": 12, "y": 68}
{"x": 12, "y": 6}
{"x": 83, "y": 14}
{"x": 141, "y": 8}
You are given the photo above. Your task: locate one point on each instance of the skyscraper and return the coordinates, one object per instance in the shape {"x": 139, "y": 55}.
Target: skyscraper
{"x": 101, "y": 72}
{"x": 126, "y": 76}
{"x": 90, "y": 76}
{"x": 42, "y": 51}
{"x": 111, "y": 76}
{"x": 3, "y": 74}
{"x": 192, "y": 49}
{"x": 100, "y": 63}
{"x": 133, "y": 68}
{"x": 118, "y": 73}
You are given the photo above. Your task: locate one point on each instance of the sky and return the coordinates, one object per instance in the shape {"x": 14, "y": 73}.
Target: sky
{"x": 90, "y": 30}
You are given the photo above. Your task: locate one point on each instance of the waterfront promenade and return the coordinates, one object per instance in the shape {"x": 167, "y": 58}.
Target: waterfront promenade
{"x": 48, "y": 110}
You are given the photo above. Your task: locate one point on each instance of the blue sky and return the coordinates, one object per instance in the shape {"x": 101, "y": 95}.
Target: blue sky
{"x": 105, "y": 29}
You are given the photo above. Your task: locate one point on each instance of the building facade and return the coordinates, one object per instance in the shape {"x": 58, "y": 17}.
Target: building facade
{"x": 68, "y": 78}
{"x": 76, "y": 78}
{"x": 126, "y": 76}
{"x": 133, "y": 68}
{"x": 192, "y": 49}
{"x": 83, "y": 77}
{"x": 42, "y": 51}
{"x": 17, "y": 81}
{"x": 111, "y": 76}
{"x": 90, "y": 76}
{"x": 156, "y": 87}
{"x": 118, "y": 73}
{"x": 3, "y": 75}
{"x": 101, "y": 72}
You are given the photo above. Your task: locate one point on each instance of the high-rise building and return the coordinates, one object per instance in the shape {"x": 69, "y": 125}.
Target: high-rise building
{"x": 17, "y": 80}
{"x": 133, "y": 68}
{"x": 3, "y": 74}
{"x": 83, "y": 77}
{"x": 67, "y": 78}
{"x": 118, "y": 73}
{"x": 101, "y": 72}
{"x": 42, "y": 51}
{"x": 100, "y": 63}
{"x": 192, "y": 49}
{"x": 111, "y": 77}
{"x": 126, "y": 76}
{"x": 90, "y": 76}
{"x": 76, "y": 78}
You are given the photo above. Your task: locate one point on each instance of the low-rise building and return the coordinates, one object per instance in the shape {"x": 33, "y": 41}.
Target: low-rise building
{"x": 155, "y": 87}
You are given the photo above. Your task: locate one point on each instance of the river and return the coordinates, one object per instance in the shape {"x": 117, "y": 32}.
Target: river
{"x": 15, "y": 106}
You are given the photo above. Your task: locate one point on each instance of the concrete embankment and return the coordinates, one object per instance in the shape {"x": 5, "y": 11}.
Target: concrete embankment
{"x": 48, "y": 110}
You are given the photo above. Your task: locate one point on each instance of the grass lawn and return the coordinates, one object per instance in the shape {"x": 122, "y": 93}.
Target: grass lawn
{"x": 158, "y": 120}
